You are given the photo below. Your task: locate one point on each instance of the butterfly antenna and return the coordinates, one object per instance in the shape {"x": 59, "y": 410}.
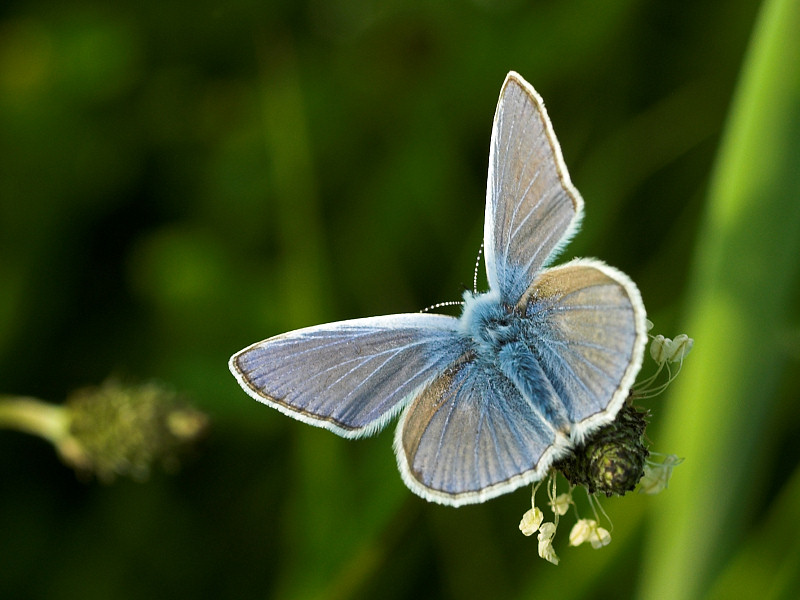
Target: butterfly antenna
{"x": 474, "y": 286}
{"x": 442, "y": 304}
{"x": 477, "y": 266}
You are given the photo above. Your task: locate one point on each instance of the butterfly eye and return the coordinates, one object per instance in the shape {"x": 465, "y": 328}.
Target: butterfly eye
{"x": 507, "y": 315}
{"x": 501, "y": 321}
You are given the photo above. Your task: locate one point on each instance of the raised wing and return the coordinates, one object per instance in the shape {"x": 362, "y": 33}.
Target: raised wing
{"x": 349, "y": 377}
{"x": 532, "y": 208}
{"x": 471, "y": 436}
{"x": 589, "y": 325}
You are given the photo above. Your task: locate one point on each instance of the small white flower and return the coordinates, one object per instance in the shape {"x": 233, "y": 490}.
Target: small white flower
{"x": 600, "y": 538}
{"x": 664, "y": 350}
{"x": 657, "y": 475}
{"x": 680, "y": 347}
{"x": 530, "y": 521}
{"x": 580, "y": 532}
{"x": 546, "y": 551}
{"x": 587, "y": 530}
{"x": 547, "y": 531}
{"x": 560, "y": 504}
{"x": 658, "y": 350}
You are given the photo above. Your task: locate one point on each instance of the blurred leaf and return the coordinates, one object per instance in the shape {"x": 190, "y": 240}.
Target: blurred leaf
{"x": 767, "y": 565}
{"x": 745, "y": 272}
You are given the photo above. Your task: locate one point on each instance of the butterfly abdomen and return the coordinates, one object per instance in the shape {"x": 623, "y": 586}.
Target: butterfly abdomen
{"x": 516, "y": 361}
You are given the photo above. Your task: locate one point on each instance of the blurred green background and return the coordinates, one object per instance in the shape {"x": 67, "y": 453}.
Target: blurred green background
{"x": 179, "y": 180}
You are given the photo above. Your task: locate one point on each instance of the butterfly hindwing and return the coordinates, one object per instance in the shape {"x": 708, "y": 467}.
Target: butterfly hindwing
{"x": 471, "y": 436}
{"x": 589, "y": 324}
{"x": 532, "y": 208}
{"x": 349, "y": 377}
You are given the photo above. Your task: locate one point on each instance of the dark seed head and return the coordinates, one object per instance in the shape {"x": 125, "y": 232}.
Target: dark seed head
{"x": 611, "y": 460}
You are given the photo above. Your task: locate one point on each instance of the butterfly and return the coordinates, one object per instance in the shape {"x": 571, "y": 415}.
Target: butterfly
{"x": 488, "y": 401}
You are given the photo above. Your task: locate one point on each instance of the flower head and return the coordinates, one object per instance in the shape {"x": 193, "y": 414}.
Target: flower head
{"x": 611, "y": 460}
{"x": 124, "y": 430}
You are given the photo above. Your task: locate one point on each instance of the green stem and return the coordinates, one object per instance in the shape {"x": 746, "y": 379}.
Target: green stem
{"x": 34, "y": 416}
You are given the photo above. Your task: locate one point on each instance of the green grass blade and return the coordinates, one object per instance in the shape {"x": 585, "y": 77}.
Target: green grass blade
{"x": 768, "y": 565}
{"x": 747, "y": 263}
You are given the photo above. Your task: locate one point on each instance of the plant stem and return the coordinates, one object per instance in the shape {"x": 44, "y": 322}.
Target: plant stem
{"x": 34, "y": 416}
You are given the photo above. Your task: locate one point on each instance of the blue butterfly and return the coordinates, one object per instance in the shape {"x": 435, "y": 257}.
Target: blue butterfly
{"x": 490, "y": 400}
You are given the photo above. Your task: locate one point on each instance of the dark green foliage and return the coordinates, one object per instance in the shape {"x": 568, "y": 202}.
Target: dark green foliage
{"x": 181, "y": 179}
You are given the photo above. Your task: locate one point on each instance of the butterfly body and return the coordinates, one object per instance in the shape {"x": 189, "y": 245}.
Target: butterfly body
{"x": 505, "y": 338}
{"x": 489, "y": 400}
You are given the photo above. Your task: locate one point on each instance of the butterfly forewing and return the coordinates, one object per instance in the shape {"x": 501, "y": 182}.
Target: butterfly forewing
{"x": 349, "y": 377}
{"x": 532, "y": 208}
